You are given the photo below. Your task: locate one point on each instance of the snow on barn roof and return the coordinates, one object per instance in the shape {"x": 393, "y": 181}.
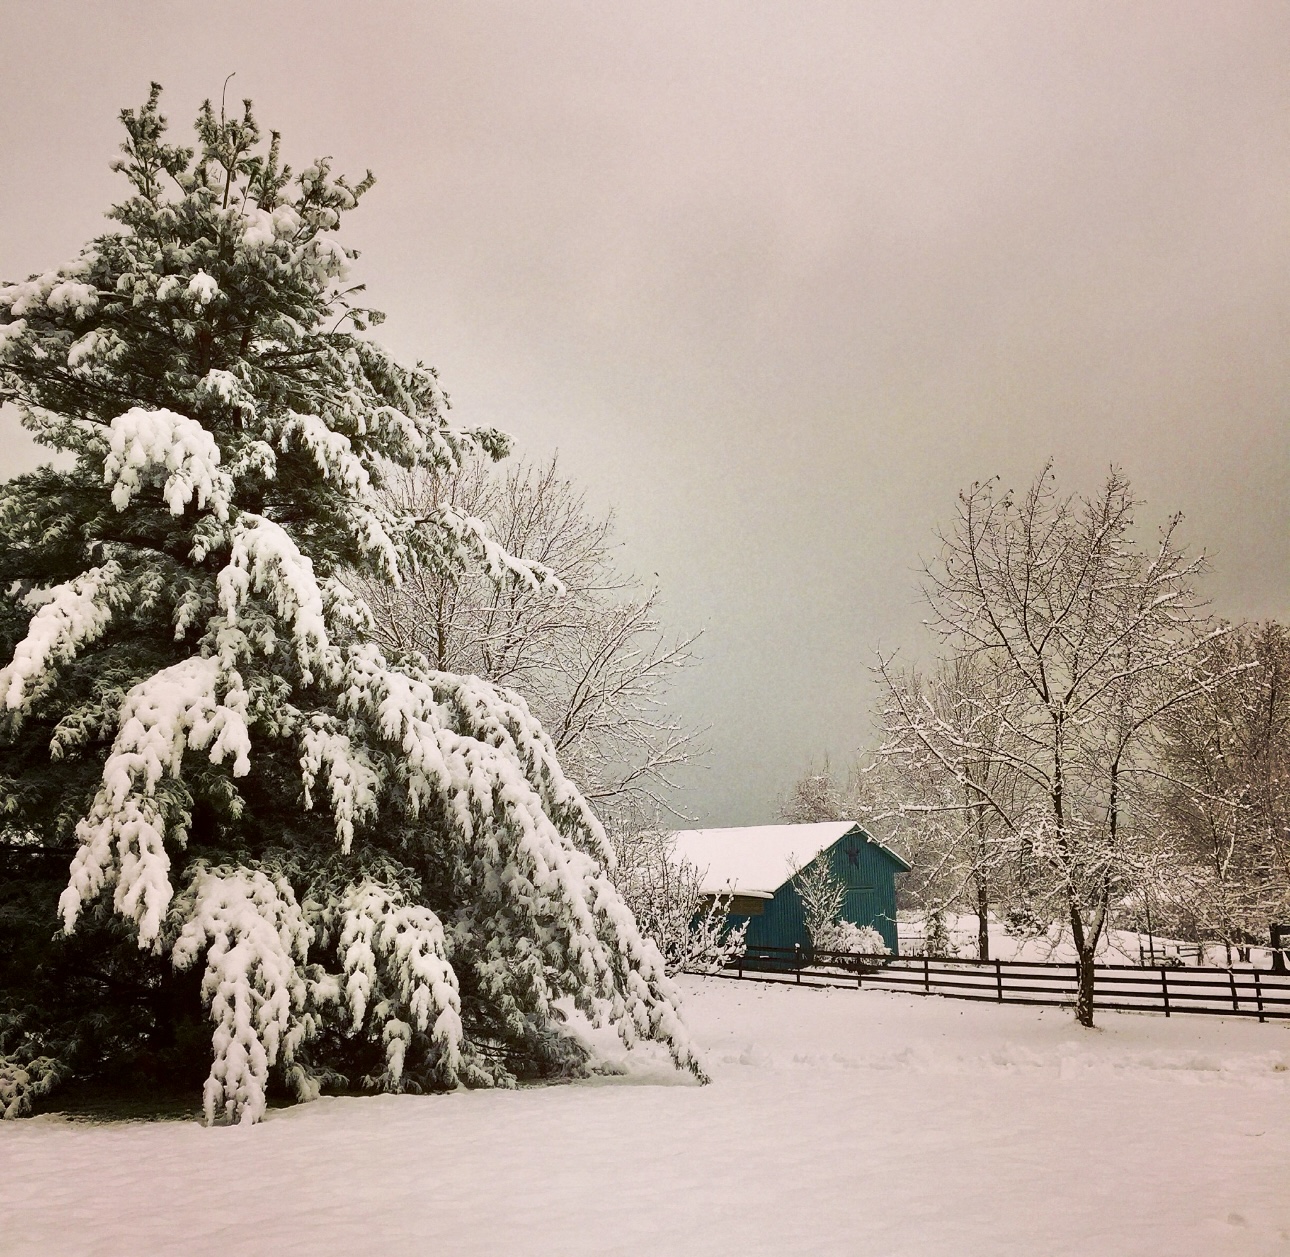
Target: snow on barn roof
{"x": 758, "y": 859}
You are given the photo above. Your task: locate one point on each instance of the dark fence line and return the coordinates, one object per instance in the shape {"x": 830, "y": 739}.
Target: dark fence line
{"x": 1233, "y": 992}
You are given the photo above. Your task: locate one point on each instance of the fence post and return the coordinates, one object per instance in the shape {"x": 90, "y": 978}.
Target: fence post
{"x": 998, "y": 979}
{"x": 1164, "y": 987}
{"x": 927, "y": 981}
{"x": 1231, "y": 977}
{"x": 741, "y": 965}
{"x": 1258, "y": 993}
{"x": 797, "y": 960}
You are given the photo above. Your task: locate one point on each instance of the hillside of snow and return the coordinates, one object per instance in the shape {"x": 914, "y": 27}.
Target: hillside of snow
{"x": 838, "y": 1121}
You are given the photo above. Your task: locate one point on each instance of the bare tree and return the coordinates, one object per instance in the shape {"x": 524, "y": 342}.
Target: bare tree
{"x": 592, "y": 661}
{"x": 1099, "y": 639}
{"x": 948, "y": 744}
{"x": 938, "y": 788}
{"x": 693, "y": 930}
{"x": 816, "y": 796}
{"x": 823, "y": 895}
{"x": 1225, "y": 798}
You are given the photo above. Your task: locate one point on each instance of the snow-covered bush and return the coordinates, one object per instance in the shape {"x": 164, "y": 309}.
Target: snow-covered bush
{"x": 823, "y": 895}
{"x": 355, "y": 863}
{"x": 855, "y": 940}
{"x": 712, "y": 943}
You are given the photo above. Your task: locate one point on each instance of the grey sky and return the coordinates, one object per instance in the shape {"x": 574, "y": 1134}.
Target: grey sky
{"x": 777, "y": 278}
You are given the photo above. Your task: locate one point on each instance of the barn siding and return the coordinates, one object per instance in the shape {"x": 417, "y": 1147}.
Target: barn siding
{"x": 864, "y": 867}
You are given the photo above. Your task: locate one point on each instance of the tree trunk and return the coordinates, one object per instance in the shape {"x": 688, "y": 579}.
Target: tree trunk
{"x": 982, "y": 917}
{"x": 982, "y": 887}
{"x": 1084, "y": 995}
{"x": 1085, "y": 948}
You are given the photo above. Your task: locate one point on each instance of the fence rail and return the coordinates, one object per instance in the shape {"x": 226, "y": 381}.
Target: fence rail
{"x": 1233, "y": 992}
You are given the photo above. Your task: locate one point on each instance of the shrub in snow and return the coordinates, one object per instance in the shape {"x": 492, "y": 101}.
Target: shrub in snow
{"x": 1021, "y": 922}
{"x": 347, "y": 862}
{"x": 823, "y": 895}
{"x": 712, "y": 943}
{"x": 855, "y": 940}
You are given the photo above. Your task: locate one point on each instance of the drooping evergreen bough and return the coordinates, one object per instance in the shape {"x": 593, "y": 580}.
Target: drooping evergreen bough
{"x": 355, "y": 867}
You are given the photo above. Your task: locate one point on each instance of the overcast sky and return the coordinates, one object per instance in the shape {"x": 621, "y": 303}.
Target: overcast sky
{"x": 777, "y": 279}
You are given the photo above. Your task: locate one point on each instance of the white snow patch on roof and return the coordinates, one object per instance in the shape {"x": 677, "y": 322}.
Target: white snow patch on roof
{"x": 756, "y": 859}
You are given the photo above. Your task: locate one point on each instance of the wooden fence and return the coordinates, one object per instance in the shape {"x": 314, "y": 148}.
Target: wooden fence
{"x": 1235, "y": 992}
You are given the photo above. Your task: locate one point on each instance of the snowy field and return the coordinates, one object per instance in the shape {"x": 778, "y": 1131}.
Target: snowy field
{"x": 838, "y": 1122}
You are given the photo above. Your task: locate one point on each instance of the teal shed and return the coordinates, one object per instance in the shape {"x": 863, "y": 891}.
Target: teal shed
{"x": 755, "y": 866}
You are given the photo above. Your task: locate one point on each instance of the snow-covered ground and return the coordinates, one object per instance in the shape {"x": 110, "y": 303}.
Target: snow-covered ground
{"x": 838, "y": 1122}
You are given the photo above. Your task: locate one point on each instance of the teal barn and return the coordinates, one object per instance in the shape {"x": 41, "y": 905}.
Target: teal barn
{"x": 755, "y": 866}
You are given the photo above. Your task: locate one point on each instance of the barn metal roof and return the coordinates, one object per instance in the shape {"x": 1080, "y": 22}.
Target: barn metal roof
{"x": 759, "y": 859}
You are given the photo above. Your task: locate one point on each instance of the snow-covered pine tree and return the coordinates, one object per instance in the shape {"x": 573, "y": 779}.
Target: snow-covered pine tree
{"x": 352, "y": 863}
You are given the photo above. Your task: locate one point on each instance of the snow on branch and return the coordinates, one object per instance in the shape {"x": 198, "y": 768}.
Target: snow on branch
{"x": 144, "y": 442}
{"x": 123, "y": 836}
{"x": 345, "y": 608}
{"x": 264, "y": 558}
{"x": 444, "y": 723}
{"x": 397, "y": 951}
{"x": 332, "y": 452}
{"x": 59, "y": 291}
{"x": 464, "y": 540}
{"x": 353, "y": 780}
{"x": 368, "y": 527}
{"x": 477, "y": 753}
{"x": 99, "y": 347}
{"x": 321, "y": 259}
{"x": 264, "y": 227}
{"x": 254, "y": 981}
{"x": 23, "y": 1080}
{"x": 418, "y": 436}
{"x": 68, "y": 617}
{"x": 11, "y": 336}
{"x": 227, "y": 388}
{"x": 202, "y": 289}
